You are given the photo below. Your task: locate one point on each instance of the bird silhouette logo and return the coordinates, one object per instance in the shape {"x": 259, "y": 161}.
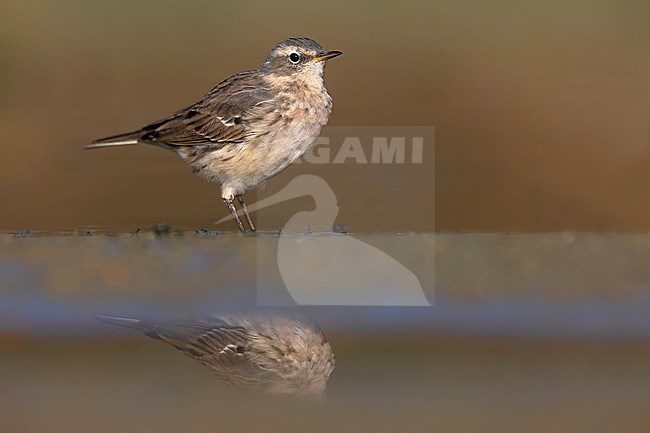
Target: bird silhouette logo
{"x": 328, "y": 268}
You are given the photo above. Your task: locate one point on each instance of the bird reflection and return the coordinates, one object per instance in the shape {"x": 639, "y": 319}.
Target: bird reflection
{"x": 269, "y": 354}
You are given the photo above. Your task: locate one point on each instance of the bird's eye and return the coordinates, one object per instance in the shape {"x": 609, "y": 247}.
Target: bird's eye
{"x": 294, "y": 57}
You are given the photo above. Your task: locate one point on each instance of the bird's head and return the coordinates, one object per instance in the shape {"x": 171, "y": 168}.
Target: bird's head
{"x": 297, "y": 57}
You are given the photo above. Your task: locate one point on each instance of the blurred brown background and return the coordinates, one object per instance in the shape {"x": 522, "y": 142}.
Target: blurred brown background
{"x": 541, "y": 109}
{"x": 541, "y": 115}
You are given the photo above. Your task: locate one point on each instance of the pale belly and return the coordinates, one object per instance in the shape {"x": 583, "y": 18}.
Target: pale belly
{"x": 249, "y": 165}
{"x": 278, "y": 135}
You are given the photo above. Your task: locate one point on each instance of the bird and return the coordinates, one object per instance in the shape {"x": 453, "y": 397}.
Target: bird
{"x": 328, "y": 268}
{"x": 262, "y": 353}
{"x": 250, "y": 126}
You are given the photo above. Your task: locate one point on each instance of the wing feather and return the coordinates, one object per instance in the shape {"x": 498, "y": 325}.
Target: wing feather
{"x": 222, "y": 116}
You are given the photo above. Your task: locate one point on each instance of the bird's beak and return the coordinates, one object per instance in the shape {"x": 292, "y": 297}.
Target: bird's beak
{"x": 327, "y": 55}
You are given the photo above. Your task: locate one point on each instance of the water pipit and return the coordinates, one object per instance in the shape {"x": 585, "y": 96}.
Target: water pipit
{"x": 250, "y": 126}
{"x": 269, "y": 354}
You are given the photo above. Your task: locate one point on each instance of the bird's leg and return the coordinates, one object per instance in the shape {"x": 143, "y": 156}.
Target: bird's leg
{"x": 242, "y": 203}
{"x": 233, "y": 211}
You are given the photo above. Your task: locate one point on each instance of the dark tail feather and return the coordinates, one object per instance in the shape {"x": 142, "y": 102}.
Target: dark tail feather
{"x": 123, "y": 321}
{"x": 127, "y": 139}
{"x": 147, "y": 329}
{"x": 182, "y": 344}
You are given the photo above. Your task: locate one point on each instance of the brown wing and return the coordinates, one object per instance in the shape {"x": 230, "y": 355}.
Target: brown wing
{"x": 222, "y": 116}
{"x": 221, "y": 347}
{"x": 200, "y": 339}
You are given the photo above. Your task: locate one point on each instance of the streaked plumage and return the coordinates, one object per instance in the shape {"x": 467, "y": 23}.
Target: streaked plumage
{"x": 249, "y": 127}
{"x": 262, "y": 353}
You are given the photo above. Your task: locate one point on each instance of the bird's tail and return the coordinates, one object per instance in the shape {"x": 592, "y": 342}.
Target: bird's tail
{"x": 148, "y": 329}
{"x": 127, "y": 139}
{"x": 169, "y": 336}
{"x": 124, "y": 321}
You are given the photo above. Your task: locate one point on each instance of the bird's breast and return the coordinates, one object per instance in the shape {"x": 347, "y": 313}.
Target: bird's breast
{"x": 279, "y": 133}
{"x": 304, "y": 112}
{"x": 291, "y": 129}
